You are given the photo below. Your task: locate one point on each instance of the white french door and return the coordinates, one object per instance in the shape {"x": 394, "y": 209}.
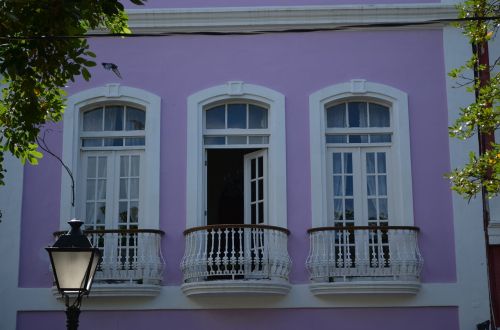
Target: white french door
{"x": 112, "y": 193}
{"x": 359, "y": 195}
{"x": 255, "y": 186}
{"x": 255, "y": 182}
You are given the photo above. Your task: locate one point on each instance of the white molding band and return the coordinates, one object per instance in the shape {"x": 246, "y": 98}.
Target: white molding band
{"x": 275, "y": 18}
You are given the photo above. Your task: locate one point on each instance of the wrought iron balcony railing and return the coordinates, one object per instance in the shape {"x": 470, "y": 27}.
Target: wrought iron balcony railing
{"x": 235, "y": 252}
{"x": 128, "y": 256}
{"x": 364, "y": 253}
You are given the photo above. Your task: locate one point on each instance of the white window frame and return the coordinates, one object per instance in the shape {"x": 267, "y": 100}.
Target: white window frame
{"x": 71, "y": 155}
{"x": 275, "y": 103}
{"x": 400, "y": 160}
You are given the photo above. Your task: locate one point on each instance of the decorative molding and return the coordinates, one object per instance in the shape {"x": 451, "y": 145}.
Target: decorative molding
{"x": 236, "y": 287}
{"x": 235, "y": 88}
{"x": 276, "y": 18}
{"x": 365, "y": 287}
{"x": 358, "y": 86}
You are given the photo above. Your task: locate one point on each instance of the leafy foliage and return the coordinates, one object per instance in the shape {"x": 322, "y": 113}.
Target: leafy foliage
{"x": 39, "y": 54}
{"x": 483, "y": 115}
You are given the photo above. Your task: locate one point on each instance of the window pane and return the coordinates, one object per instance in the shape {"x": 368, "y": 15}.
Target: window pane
{"x": 113, "y": 142}
{"x": 258, "y": 139}
{"x": 347, "y": 163}
{"x": 338, "y": 211}
{"x": 91, "y": 142}
{"x": 377, "y": 138}
{"x": 101, "y": 189}
{"x": 92, "y": 120}
{"x": 91, "y": 167}
{"x": 113, "y": 118}
{"x": 102, "y": 172}
{"x": 134, "y": 165}
{"x": 370, "y": 162}
{"x": 123, "y": 189}
{"x": 260, "y": 162}
{"x": 124, "y": 166}
{"x": 383, "y": 213}
{"x": 370, "y": 185}
{"x": 237, "y": 116}
{"x": 337, "y": 185}
{"x": 136, "y": 119}
{"x": 357, "y": 114}
{"x": 337, "y": 162}
{"x": 215, "y": 118}
{"x": 379, "y": 115}
{"x": 358, "y": 138}
{"x": 336, "y": 139}
{"x": 257, "y": 117}
{"x": 335, "y": 116}
{"x": 215, "y": 140}
{"x": 134, "y": 188}
{"x": 349, "y": 209}
{"x": 382, "y": 185}
{"x": 236, "y": 140}
{"x": 101, "y": 212}
{"x": 372, "y": 209}
{"x": 381, "y": 162}
{"x": 135, "y": 141}
{"x": 123, "y": 214}
{"x": 348, "y": 185}
{"x": 90, "y": 189}
{"x": 134, "y": 212}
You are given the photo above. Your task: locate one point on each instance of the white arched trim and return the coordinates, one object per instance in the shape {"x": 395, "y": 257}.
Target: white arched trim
{"x": 401, "y": 160}
{"x": 277, "y": 147}
{"x": 111, "y": 93}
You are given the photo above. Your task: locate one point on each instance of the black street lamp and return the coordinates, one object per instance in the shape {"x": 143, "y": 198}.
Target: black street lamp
{"x": 74, "y": 263}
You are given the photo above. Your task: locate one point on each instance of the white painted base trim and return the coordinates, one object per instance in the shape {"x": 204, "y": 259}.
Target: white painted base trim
{"x": 365, "y": 287}
{"x": 120, "y": 290}
{"x": 246, "y": 287}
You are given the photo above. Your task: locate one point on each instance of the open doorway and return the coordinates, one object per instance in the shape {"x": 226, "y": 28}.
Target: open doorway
{"x": 236, "y": 186}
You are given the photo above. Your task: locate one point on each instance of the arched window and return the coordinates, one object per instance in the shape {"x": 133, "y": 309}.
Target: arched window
{"x": 112, "y": 156}
{"x": 111, "y": 143}
{"x": 236, "y": 170}
{"x": 360, "y": 158}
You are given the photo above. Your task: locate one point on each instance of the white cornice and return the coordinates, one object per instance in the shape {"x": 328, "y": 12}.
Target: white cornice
{"x": 250, "y": 19}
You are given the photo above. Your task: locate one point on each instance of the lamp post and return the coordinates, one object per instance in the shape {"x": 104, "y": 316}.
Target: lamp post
{"x": 74, "y": 263}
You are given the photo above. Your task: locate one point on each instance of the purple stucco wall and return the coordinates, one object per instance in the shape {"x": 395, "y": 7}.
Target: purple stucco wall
{"x": 290, "y": 319}
{"x": 295, "y": 65}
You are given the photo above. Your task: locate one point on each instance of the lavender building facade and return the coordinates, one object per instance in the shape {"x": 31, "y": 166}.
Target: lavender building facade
{"x": 278, "y": 180}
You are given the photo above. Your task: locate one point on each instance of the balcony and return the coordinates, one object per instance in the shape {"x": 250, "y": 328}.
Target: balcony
{"x": 250, "y": 259}
{"x": 131, "y": 264}
{"x": 344, "y": 260}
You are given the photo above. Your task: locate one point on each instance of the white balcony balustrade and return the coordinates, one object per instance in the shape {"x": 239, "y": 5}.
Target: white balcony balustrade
{"x": 236, "y": 259}
{"x": 360, "y": 259}
{"x": 130, "y": 257}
